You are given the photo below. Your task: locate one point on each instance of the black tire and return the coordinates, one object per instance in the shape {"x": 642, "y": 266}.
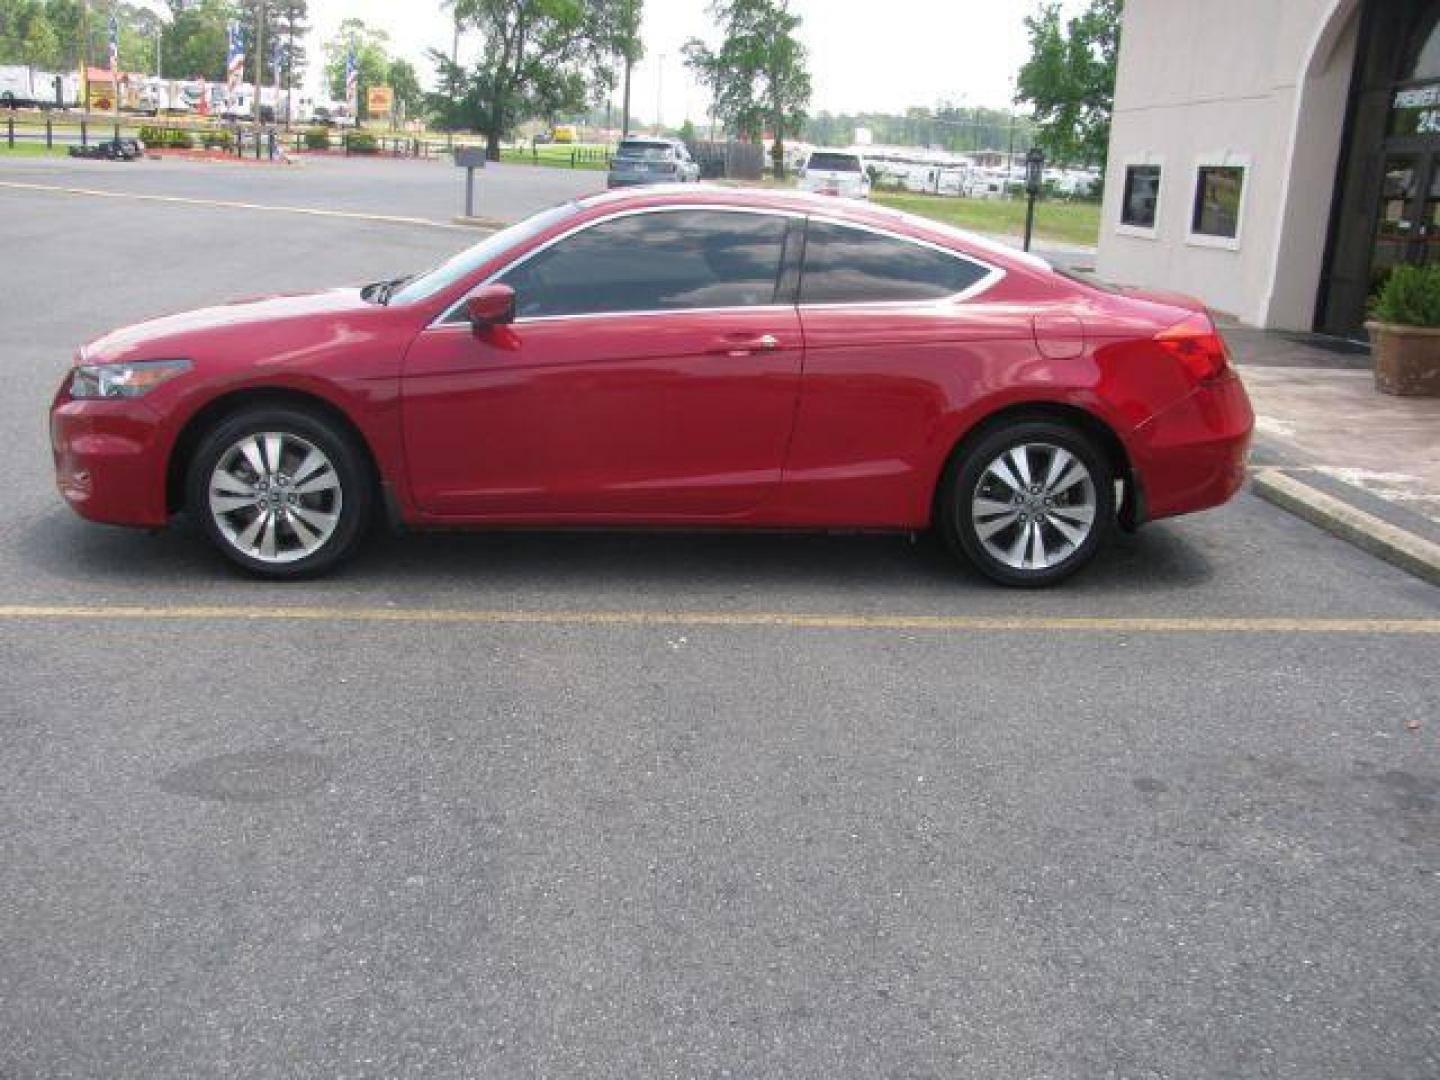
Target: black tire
{"x": 354, "y": 492}
{"x": 962, "y": 484}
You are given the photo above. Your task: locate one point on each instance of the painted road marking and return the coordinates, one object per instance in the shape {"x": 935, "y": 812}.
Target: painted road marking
{"x": 349, "y": 215}
{"x": 788, "y": 620}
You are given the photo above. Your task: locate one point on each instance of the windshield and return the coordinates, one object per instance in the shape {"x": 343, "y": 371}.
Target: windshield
{"x": 834, "y": 162}
{"x": 423, "y": 286}
{"x": 645, "y": 151}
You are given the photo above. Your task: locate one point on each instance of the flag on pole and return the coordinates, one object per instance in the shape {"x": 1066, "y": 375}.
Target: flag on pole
{"x": 114, "y": 44}
{"x": 352, "y": 79}
{"x": 235, "y": 58}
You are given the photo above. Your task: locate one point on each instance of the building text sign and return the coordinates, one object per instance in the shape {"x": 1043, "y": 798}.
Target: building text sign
{"x": 1416, "y": 111}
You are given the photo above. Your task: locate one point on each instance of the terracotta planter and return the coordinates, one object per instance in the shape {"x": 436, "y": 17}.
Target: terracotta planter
{"x": 1407, "y": 358}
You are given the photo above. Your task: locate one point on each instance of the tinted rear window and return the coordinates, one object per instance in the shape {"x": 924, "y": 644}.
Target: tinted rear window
{"x": 845, "y": 265}
{"x": 834, "y": 162}
{"x": 645, "y": 151}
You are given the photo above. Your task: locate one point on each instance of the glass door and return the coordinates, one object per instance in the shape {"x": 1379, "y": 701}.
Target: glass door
{"x": 1407, "y": 228}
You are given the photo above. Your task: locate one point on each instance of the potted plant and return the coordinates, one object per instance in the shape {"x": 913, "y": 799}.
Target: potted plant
{"x": 1405, "y": 331}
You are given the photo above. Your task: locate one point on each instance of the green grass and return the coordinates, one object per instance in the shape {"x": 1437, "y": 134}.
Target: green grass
{"x": 558, "y": 155}
{"x": 29, "y": 148}
{"x": 1060, "y": 222}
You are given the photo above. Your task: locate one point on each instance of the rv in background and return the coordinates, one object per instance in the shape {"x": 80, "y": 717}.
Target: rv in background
{"x": 23, "y": 87}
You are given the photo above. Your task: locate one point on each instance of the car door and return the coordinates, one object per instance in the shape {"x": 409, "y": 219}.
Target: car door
{"x": 651, "y": 373}
{"x": 897, "y": 332}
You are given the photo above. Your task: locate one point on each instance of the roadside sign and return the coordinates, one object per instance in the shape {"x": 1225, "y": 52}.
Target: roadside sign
{"x": 1034, "y": 170}
{"x": 379, "y": 100}
{"x": 470, "y": 157}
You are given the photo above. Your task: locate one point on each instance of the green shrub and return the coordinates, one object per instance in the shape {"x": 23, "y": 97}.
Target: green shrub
{"x": 317, "y": 138}
{"x": 218, "y": 140}
{"x": 175, "y": 138}
{"x": 1410, "y": 296}
{"x": 362, "y": 142}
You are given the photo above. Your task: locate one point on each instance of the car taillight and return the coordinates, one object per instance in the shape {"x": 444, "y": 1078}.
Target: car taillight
{"x": 1197, "y": 345}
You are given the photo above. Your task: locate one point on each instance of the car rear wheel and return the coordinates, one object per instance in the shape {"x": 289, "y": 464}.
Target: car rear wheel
{"x": 282, "y": 492}
{"x": 1028, "y": 504}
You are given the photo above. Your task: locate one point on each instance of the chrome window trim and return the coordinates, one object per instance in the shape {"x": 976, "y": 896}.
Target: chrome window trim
{"x": 451, "y": 316}
{"x": 447, "y": 317}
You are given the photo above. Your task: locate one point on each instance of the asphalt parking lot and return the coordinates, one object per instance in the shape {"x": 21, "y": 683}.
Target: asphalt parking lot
{"x": 593, "y": 805}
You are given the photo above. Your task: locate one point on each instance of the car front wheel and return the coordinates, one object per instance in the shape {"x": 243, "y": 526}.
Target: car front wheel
{"x": 282, "y": 492}
{"x": 1029, "y": 504}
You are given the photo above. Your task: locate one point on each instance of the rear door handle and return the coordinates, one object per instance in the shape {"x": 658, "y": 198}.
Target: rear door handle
{"x": 745, "y": 345}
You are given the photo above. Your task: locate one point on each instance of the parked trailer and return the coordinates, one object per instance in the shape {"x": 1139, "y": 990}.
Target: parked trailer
{"x": 23, "y": 87}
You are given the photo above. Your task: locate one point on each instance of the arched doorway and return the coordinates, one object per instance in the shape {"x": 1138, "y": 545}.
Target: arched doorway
{"x": 1388, "y": 208}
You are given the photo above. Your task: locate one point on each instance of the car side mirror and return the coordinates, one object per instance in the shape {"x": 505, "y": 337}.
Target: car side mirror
{"x": 491, "y": 305}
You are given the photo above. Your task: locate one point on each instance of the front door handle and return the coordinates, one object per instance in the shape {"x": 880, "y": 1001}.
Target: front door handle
{"x": 745, "y": 345}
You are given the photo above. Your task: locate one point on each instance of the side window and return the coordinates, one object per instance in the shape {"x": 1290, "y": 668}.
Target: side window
{"x": 658, "y": 261}
{"x": 846, "y": 266}
{"x": 1141, "y": 197}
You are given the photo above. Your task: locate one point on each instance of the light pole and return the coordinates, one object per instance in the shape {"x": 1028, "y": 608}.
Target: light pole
{"x": 659, "y": 92}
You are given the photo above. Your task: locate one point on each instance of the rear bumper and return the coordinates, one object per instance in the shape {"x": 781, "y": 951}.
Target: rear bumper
{"x": 110, "y": 461}
{"x": 1192, "y": 455}
{"x": 622, "y": 180}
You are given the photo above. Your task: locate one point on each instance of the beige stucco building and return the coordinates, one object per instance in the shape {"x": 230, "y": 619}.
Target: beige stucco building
{"x": 1274, "y": 157}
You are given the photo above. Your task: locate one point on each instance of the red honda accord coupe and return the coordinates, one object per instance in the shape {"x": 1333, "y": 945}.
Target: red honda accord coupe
{"x": 670, "y": 357}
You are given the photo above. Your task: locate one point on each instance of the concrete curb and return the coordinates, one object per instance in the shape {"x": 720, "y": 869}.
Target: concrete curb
{"x": 479, "y": 222}
{"x": 1395, "y": 545}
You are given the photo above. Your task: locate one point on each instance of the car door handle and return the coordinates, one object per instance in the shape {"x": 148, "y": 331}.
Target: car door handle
{"x": 745, "y": 345}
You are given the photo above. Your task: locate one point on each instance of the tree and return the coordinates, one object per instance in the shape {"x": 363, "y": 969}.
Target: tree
{"x": 542, "y": 57}
{"x": 402, "y": 79}
{"x": 286, "y": 25}
{"x": 372, "y": 61}
{"x": 758, "y": 75}
{"x": 289, "y": 23}
{"x": 194, "y": 42}
{"x": 1069, "y": 80}
{"x": 27, "y": 36}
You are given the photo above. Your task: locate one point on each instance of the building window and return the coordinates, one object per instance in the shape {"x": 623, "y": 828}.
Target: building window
{"x": 1141, "y": 201}
{"x": 1219, "y": 190}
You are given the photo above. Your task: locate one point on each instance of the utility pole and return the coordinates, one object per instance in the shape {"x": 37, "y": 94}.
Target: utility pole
{"x": 85, "y": 58}
{"x": 259, "y": 69}
{"x": 290, "y": 71}
{"x": 259, "y": 66}
{"x": 659, "y": 93}
{"x": 625, "y": 106}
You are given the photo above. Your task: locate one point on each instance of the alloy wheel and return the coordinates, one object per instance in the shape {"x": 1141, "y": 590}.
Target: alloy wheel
{"x": 275, "y": 497}
{"x": 1034, "y": 506}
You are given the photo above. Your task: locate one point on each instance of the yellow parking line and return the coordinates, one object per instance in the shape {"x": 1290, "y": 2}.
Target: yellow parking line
{"x": 226, "y": 204}
{"x": 787, "y": 620}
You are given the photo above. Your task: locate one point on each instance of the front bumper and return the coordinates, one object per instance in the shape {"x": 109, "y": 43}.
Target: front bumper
{"x": 110, "y": 460}
{"x": 1192, "y": 455}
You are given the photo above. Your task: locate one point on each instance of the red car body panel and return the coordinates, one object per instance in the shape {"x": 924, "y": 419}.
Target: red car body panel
{"x": 675, "y": 418}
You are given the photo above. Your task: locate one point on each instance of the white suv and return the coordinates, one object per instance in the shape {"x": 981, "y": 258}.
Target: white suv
{"x": 836, "y": 172}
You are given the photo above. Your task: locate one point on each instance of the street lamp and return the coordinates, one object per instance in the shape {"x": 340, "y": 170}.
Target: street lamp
{"x": 659, "y": 90}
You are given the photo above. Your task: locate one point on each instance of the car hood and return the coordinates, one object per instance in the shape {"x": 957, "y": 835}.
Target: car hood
{"x": 181, "y": 335}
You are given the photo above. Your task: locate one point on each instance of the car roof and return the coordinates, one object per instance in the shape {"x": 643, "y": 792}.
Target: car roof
{"x": 790, "y": 200}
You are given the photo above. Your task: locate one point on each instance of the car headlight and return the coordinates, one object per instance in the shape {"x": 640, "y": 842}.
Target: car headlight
{"x": 127, "y": 380}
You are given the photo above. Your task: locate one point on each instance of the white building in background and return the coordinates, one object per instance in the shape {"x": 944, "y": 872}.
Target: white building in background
{"x": 1274, "y": 157}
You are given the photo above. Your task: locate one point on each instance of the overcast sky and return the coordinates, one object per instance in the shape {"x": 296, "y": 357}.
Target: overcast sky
{"x": 881, "y": 56}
